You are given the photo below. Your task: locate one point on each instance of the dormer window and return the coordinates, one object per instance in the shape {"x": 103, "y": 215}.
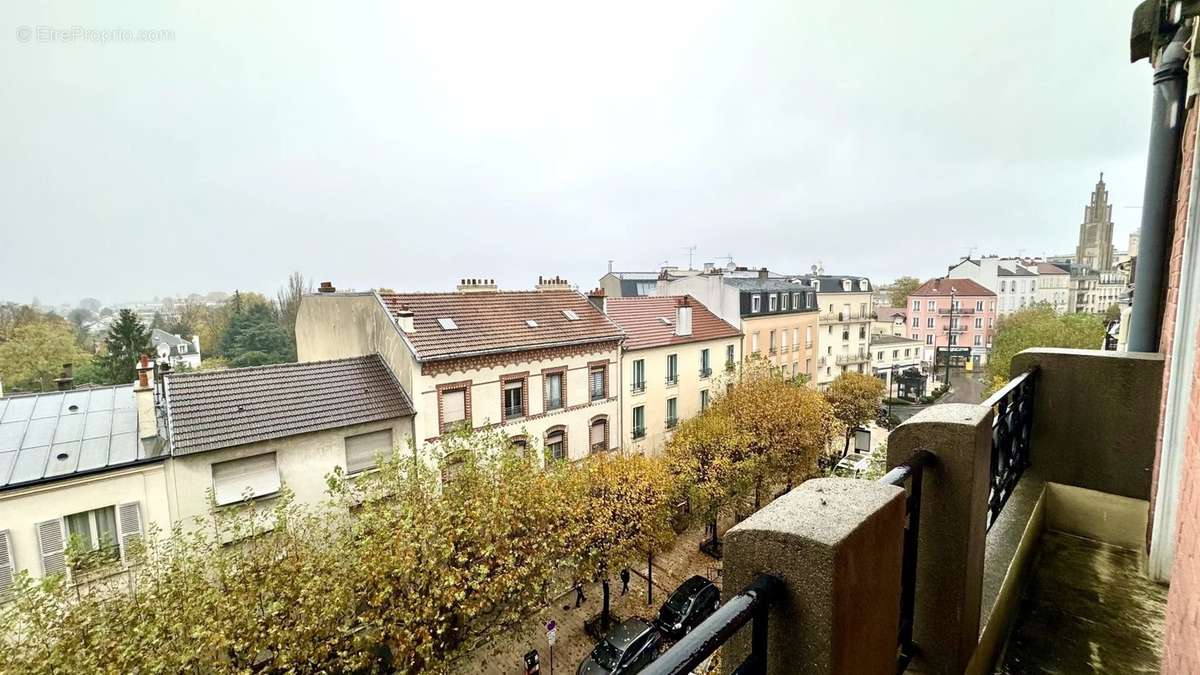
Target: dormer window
{"x": 862, "y": 284}
{"x": 846, "y": 284}
{"x": 570, "y": 314}
{"x": 773, "y": 302}
{"x": 816, "y": 283}
{"x": 755, "y": 304}
{"x": 447, "y": 323}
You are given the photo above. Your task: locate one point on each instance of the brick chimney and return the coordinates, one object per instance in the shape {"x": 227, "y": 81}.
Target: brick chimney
{"x": 552, "y": 284}
{"x": 477, "y": 286}
{"x": 683, "y": 317}
{"x": 66, "y": 379}
{"x": 599, "y": 299}
{"x": 326, "y": 287}
{"x": 143, "y": 394}
{"x": 404, "y": 319}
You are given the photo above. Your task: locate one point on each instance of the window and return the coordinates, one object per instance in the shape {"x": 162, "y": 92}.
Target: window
{"x": 929, "y": 339}
{"x": 598, "y": 379}
{"x": 246, "y": 478}
{"x": 639, "y": 375}
{"x": 906, "y": 352}
{"x": 755, "y": 304}
{"x": 895, "y": 353}
{"x": 447, "y": 324}
{"x": 808, "y": 365}
{"x": 182, "y": 349}
{"x": 362, "y": 449}
{"x": 978, "y": 340}
{"x": 729, "y": 352}
{"x": 705, "y": 367}
{"x": 783, "y": 340}
{"x": 929, "y": 322}
{"x": 1003, "y": 286}
{"x": 454, "y": 408}
{"x": 796, "y": 301}
{"x": 916, "y": 322}
{"x": 916, "y": 305}
{"x": 916, "y": 336}
{"x": 978, "y": 305}
{"x": 554, "y": 390}
{"x": 808, "y": 336}
{"x": 672, "y": 368}
{"x": 953, "y": 339}
{"x": 979, "y": 322}
{"x": 754, "y": 343}
{"x": 879, "y": 356}
{"x": 598, "y": 435}
{"x": 845, "y": 334}
{"x": 556, "y": 443}
{"x": 672, "y": 412}
{"x": 862, "y": 309}
{"x": 703, "y": 400}
{"x": 773, "y": 302}
{"x": 95, "y": 531}
{"x": 931, "y": 305}
{"x": 639, "y": 421}
{"x": 771, "y": 341}
{"x": 795, "y": 339}
{"x": 513, "y": 398}
{"x": 783, "y": 301}
{"x": 570, "y": 314}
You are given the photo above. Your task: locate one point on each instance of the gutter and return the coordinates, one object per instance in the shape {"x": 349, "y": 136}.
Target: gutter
{"x": 1158, "y": 200}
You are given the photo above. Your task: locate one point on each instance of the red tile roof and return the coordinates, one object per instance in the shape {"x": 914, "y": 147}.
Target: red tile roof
{"x": 641, "y": 319}
{"x": 942, "y": 286}
{"x": 496, "y": 321}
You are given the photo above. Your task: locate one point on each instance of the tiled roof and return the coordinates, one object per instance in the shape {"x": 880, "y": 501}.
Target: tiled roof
{"x": 498, "y": 321}
{"x": 223, "y": 408}
{"x": 890, "y": 313}
{"x": 942, "y": 286}
{"x": 891, "y": 340}
{"x": 642, "y": 320}
{"x": 64, "y": 433}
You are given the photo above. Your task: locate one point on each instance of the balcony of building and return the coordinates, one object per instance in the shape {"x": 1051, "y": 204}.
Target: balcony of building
{"x": 847, "y": 359}
{"x": 1008, "y": 537}
{"x": 946, "y": 311}
{"x": 843, "y": 317}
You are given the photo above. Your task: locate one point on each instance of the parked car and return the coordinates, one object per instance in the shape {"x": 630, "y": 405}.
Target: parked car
{"x": 626, "y": 649}
{"x": 690, "y": 604}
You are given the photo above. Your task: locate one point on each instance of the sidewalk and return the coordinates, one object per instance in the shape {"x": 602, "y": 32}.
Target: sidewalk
{"x": 504, "y": 654}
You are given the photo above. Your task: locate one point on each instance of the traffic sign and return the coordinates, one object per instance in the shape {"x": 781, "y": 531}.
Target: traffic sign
{"x": 551, "y": 632}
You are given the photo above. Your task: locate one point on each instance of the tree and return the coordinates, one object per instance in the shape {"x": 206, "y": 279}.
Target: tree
{"x": 90, "y": 304}
{"x": 126, "y": 341}
{"x": 256, "y": 329}
{"x": 704, "y": 457}
{"x": 1039, "y": 326}
{"x": 626, "y": 512}
{"x": 855, "y": 398}
{"x": 288, "y": 300}
{"x": 903, "y": 287}
{"x": 1113, "y": 312}
{"x": 33, "y": 355}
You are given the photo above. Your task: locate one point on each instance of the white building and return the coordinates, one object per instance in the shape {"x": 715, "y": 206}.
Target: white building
{"x": 175, "y": 351}
{"x": 892, "y": 355}
{"x": 1015, "y": 285}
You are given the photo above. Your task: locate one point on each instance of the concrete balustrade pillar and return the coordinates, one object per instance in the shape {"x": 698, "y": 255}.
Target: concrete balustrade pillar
{"x": 836, "y": 543}
{"x": 953, "y": 529}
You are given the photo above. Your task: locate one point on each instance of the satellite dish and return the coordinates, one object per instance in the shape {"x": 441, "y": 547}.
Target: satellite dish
{"x": 814, "y": 269}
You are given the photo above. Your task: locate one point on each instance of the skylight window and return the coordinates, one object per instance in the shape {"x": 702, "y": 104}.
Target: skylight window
{"x": 531, "y": 323}
{"x": 665, "y": 320}
{"x": 570, "y": 314}
{"x": 447, "y": 324}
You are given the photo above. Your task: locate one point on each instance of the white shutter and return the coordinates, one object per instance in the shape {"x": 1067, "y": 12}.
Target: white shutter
{"x": 129, "y": 527}
{"x": 597, "y": 434}
{"x": 52, "y": 544}
{"x": 454, "y": 406}
{"x": 254, "y": 476}
{"x": 362, "y": 449}
{"x": 6, "y": 567}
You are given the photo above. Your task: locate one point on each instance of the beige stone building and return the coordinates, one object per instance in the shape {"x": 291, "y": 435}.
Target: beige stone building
{"x": 672, "y": 362}
{"x": 844, "y": 333}
{"x": 540, "y": 365}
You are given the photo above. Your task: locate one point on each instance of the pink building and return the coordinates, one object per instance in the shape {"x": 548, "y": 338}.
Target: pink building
{"x": 955, "y": 313}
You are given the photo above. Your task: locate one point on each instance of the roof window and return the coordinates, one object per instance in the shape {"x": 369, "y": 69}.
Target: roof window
{"x": 570, "y": 314}
{"x": 531, "y": 323}
{"x": 447, "y": 323}
{"x": 665, "y": 321}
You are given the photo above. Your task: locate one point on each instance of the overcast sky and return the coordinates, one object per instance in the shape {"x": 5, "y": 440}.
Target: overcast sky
{"x": 415, "y": 143}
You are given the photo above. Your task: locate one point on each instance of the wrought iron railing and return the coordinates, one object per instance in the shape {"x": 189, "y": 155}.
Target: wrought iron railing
{"x": 672, "y": 380}
{"x": 749, "y": 606}
{"x": 1012, "y": 430}
{"x": 513, "y": 411}
{"x": 705, "y": 372}
{"x": 637, "y": 386}
{"x": 909, "y": 472}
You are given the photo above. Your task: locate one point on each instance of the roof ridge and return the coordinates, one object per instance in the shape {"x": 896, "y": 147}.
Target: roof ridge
{"x": 269, "y": 366}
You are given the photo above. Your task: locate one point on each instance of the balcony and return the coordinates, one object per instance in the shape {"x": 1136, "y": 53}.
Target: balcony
{"x": 672, "y": 422}
{"x": 672, "y": 379}
{"x": 843, "y": 317}
{"x": 638, "y": 387}
{"x": 958, "y": 311}
{"x": 957, "y": 330}
{"x": 639, "y": 433}
{"x": 847, "y": 359}
{"x": 514, "y": 411}
{"x": 1007, "y": 538}
{"x": 705, "y": 373}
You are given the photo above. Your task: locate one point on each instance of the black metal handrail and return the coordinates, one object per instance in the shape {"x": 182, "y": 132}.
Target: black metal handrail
{"x": 910, "y": 472}
{"x": 1012, "y": 431}
{"x": 749, "y": 605}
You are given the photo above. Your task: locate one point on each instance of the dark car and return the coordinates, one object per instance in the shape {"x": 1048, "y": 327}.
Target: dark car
{"x": 626, "y": 649}
{"x": 688, "y": 606}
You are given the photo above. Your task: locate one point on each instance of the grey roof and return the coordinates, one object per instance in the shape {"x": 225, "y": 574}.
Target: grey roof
{"x": 832, "y": 283}
{"x": 158, "y": 335}
{"x": 1019, "y": 272}
{"x": 223, "y": 408}
{"x": 637, "y": 276}
{"x": 57, "y": 435}
{"x": 891, "y": 340}
{"x": 773, "y": 284}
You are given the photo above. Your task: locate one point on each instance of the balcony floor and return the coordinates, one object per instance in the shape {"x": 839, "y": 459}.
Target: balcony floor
{"x": 1087, "y": 609}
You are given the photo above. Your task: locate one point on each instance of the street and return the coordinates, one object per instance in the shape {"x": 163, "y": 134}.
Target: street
{"x": 965, "y": 387}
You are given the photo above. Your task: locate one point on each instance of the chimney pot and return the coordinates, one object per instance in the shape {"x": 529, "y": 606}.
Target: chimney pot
{"x": 326, "y": 287}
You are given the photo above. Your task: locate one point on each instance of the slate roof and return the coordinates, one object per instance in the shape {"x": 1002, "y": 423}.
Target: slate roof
{"x": 496, "y": 321}
{"x": 892, "y": 340}
{"x": 942, "y": 286}
{"x": 771, "y": 284}
{"x": 57, "y": 435}
{"x": 832, "y": 283}
{"x": 1016, "y": 272}
{"x": 642, "y": 320}
{"x": 158, "y": 335}
{"x": 222, "y": 408}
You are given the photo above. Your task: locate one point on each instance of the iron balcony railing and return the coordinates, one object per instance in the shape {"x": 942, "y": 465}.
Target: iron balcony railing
{"x": 511, "y": 411}
{"x": 838, "y": 317}
{"x": 910, "y": 472}
{"x": 637, "y": 387}
{"x": 672, "y": 379}
{"x": 957, "y": 310}
{"x": 672, "y": 422}
{"x": 749, "y": 606}
{"x": 639, "y": 432}
{"x": 1012, "y": 431}
{"x": 844, "y": 359}
{"x": 705, "y": 372}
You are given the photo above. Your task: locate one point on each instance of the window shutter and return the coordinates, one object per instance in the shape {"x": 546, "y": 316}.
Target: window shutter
{"x": 256, "y": 476}
{"x": 6, "y": 567}
{"x": 362, "y": 449}
{"x": 52, "y": 544}
{"x": 597, "y": 434}
{"x": 129, "y": 527}
{"x": 454, "y": 406}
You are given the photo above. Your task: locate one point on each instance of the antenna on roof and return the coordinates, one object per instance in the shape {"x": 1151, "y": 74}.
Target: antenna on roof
{"x": 691, "y": 252}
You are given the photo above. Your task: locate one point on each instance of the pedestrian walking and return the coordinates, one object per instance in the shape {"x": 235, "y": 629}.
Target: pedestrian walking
{"x": 579, "y": 596}
{"x": 624, "y": 581}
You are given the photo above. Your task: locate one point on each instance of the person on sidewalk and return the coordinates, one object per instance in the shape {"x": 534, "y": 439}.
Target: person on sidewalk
{"x": 624, "y": 581}
{"x": 579, "y": 596}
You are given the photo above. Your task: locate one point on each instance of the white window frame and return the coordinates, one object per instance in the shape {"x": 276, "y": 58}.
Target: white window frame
{"x": 755, "y": 304}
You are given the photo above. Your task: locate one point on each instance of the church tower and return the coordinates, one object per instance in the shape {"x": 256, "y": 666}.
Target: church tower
{"x": 1095, "y": 234}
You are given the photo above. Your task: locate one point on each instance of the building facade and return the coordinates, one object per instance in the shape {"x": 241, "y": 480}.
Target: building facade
{"x": 175, "y": 351}
{"x": 844, "y": 330}
{"x": 893, "y": 355}
{"x": 541, "y": 365}
{"x": 1053, "y": 285}
{"x": 890, "y": 321}
{"x": 675, "y": 358}
{"x": 958, "y": 315}
{"x": 1016, "y": 285}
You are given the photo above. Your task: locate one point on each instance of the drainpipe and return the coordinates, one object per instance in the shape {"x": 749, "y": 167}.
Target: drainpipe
{"x": 1166, "y": 130}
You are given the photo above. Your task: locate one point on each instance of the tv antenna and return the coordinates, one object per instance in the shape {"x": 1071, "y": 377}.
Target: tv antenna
{"x": 691, "y": 251}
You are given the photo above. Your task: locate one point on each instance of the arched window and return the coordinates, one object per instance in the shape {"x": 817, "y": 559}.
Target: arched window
{"x": 598, "y": 433}
{"x": 556, "y": 442}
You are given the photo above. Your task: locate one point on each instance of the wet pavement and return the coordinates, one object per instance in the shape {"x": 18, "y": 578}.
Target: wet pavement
{"x": 965, "y": 387}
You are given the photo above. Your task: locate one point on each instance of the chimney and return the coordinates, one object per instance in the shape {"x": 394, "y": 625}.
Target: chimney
{"x": 196, "y": 343}
{"x": 763, "y": 274}
{"x": 556, "y": 283}
{"x": 476, "y": 286}
{"x": 143, "y": 395}
{"x": 599, "y": 299}
{"x": 66, "y": 379}
{"x": 683, "y": 317}
{"x": 327, "y": 287}
{"x": 404, "y": 319}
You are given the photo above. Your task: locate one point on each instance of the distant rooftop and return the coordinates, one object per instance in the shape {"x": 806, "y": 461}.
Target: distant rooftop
{"x": 943, "y": 286}
{"x": 56, "y": 435}
{"x": 892, "y": 340}
{"x": 650, "y": 321}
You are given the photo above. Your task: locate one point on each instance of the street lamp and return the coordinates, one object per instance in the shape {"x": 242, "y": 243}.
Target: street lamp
{"x": 950, "y": 334}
